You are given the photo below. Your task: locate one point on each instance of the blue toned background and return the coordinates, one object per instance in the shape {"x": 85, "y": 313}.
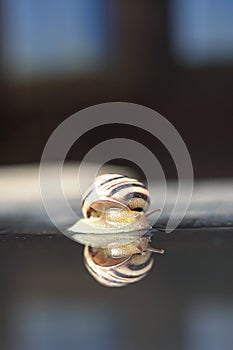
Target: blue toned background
{"x": 202, "y": 31}
{"x": 54, "y": 37}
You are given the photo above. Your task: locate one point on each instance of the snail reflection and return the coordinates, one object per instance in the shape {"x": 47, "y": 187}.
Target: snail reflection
{"x": 115, "y": 230}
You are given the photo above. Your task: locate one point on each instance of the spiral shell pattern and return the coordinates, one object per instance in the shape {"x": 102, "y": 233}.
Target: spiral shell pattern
{"x": 116, "y": 187}
{"x": 118, "y": 272}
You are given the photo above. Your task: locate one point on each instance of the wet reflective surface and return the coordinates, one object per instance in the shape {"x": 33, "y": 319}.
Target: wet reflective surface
{"x": 49, "y": 301}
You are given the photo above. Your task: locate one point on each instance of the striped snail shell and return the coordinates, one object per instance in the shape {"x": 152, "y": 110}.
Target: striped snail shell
{"x": 129, "y": 192}
{"x": 117, "y": 272}
{"x": 114, "y": 230}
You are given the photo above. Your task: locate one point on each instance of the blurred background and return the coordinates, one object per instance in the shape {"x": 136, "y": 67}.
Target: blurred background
{"x": 174, "y": 56}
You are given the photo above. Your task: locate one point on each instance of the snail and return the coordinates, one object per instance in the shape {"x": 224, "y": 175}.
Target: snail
{"x": 115, "y": 230}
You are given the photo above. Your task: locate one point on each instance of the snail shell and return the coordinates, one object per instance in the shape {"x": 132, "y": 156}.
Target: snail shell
{"x": 117, "y": 272}
{"x": 113, "y": 230}
{"x": 116, "y": 187}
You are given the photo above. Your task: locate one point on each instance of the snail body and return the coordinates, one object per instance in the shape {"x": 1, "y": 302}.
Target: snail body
{"x": 114, "y": 230}
{"x": 117, "y": 272}
{"x": 115, "y": 187}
